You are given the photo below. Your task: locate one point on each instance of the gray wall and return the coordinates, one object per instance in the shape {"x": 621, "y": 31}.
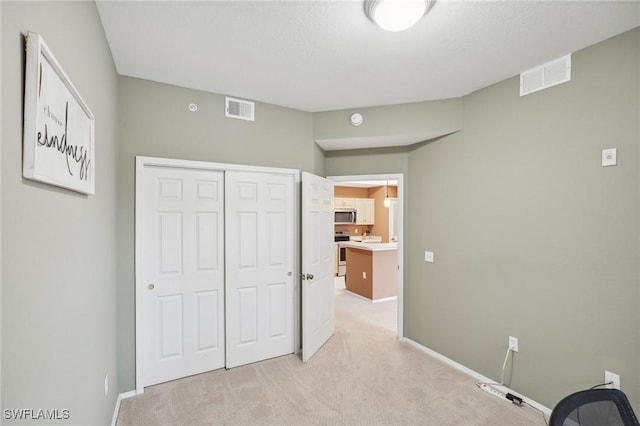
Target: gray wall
{"x": 155, "y": 121}
{"x": 318, "y": 160}
{"x": 366, "y": 161}
{"x": 433, "y": 118}
{"x": 532, "y": 237}
{"x": 58, "y": 264}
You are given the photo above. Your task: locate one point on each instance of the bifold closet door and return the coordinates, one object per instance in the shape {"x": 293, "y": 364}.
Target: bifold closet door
{"x": 183, "y": 288}
{"x": 259, "y": 224}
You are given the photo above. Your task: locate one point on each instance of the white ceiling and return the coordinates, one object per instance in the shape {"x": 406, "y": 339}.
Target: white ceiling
{"x": 327, "y": 55}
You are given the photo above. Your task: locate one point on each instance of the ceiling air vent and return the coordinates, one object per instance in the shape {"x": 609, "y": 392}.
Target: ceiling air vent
{"x": 238, "y": 108}
{"x": 545, "y": 76}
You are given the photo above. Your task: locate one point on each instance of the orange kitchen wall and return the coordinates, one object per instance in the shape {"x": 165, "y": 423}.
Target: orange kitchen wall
{"x": 381, "y": 226}
{"x": 349, "y": 192}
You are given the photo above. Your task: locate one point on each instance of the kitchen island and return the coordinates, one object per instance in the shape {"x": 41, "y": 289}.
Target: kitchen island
{"x": 372, "y": 269}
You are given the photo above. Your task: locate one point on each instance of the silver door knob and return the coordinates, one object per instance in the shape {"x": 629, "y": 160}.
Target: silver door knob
{"x": 151, "y": 286}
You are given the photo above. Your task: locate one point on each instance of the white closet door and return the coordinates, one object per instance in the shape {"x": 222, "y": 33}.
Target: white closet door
{"x": 318, "y": 313}
{"x": 183, "y": 273}
{"x": 259, "y": 248}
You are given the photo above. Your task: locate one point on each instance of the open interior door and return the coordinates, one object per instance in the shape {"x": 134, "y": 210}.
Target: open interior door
{"x": 318, "y": 314}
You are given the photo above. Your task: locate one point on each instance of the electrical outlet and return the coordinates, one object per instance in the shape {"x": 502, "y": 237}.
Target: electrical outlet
{"x": 106, "y": 384}
{"x": 364, "y": 275}
{"x": 609, "y": 157}
{"x": 428, "y": 256}
{"x": 612, "y": 377}
{"x": 513, "y": 344}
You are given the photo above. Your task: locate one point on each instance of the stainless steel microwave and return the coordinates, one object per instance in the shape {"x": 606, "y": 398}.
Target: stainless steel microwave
{"x": 344, "y": 217}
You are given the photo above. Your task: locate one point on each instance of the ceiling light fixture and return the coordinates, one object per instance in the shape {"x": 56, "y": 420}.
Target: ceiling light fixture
{"x": 396, "y": 15}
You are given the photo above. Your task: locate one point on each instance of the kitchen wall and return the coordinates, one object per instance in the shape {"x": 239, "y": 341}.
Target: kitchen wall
{"x": 532, "y": 237}
{"x": 350, "y": 192}
{"x": 155, "y": 121}
{"x": 381, "y": 226}
{"x": 58, "y": 246}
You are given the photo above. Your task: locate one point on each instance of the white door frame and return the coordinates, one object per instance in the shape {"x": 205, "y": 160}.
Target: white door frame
{"x": 400, "y": 178}
{"x": 147, "y": 162}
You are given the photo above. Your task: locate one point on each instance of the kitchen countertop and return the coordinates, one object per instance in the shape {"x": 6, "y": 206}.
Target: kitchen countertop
{"x": 370, "y": 246}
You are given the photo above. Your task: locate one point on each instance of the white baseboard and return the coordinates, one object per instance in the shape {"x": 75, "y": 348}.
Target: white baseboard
{"x": 479, "y": 377}
{"x": 384, "y": 299}
{"x": 371, "y": 300}
{"x": 116, "y": 410}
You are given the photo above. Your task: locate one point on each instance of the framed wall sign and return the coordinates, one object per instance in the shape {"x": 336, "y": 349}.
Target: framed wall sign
{"x": 59, "y": 128}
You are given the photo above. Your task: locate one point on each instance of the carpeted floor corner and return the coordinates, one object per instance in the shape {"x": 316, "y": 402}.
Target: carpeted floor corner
{"x": 362, "y": 376}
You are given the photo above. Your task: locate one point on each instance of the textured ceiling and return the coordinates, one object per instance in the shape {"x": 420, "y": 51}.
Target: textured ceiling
{"x": 326, "y": 55}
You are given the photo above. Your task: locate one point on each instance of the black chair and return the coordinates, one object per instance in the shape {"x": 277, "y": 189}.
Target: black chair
{"x": 594, "y": 407}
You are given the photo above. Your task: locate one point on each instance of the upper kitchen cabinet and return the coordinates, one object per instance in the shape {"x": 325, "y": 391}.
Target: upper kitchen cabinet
{"x": 365, "y": 211}
{"x": 344, "y": 203}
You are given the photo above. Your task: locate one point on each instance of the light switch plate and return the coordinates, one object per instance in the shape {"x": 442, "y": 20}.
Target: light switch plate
{"x": 428, "y": 256}
{"x": 610, "y": 157}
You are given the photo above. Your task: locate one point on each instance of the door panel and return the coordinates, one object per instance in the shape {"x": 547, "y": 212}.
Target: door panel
{"x": 207, "y": 244}
{"x": 259, "y": 265}
{"x": 318, "y": 315}
{"x": 170, "y": 240}
{"x": 170, "y": 327}
{"x": 277, "y": 318}
{"x": 183, "y": 282}
{"x": 247, "y": 319}
{"x": 208, "y": 317}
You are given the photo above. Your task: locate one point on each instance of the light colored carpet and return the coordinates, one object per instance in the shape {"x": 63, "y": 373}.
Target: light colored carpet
{"x": 361, "y": 376}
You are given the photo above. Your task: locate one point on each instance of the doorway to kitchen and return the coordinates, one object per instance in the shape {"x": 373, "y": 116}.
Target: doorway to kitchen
{"x": 374, "y": 244}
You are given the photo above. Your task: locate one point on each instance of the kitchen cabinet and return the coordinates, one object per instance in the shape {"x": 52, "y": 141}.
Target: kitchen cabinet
{"x": 344, "y": 203}
{"x": 365, "y": 211}
{"x": 365, "y": 208}
{"x": 373, "y": 269}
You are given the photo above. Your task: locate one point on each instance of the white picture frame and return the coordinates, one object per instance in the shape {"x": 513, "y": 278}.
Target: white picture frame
{"x": 59, "y": 127}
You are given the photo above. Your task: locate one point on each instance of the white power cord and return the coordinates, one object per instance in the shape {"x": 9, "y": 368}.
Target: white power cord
{"x": 488, "y": 387}
{"x": 504, "y": 364}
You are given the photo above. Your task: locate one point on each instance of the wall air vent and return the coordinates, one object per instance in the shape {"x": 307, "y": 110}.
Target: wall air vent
{"x": 238, "y": 108}
{"x": 545, "y": 76}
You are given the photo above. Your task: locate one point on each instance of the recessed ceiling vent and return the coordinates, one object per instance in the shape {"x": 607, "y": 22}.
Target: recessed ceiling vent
{"x": 238, "y": 108}
{"x": 547, "y": 75}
